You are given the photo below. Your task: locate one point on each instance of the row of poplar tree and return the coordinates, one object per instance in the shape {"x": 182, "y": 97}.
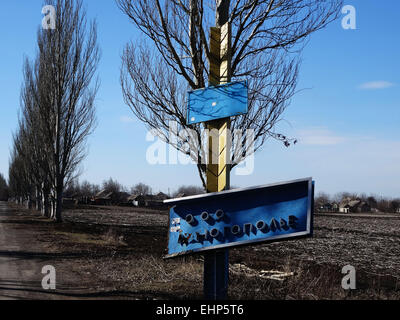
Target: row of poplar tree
{"x": 57, "y": 109}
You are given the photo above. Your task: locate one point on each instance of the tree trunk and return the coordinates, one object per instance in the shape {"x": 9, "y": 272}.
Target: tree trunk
{"x": 45, "y": 203}
{"x": 58, "y": 213}
{"x": 38, "y": 199}
{"x": 29, "y": 203}
{"x": 53, "y": 205}
{"x": 59, "y": 200}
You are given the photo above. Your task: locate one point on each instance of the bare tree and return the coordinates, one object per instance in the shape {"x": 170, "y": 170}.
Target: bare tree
{"x": 89, "y": 190}
{"x": 189, "y": 190}
{"x": 142, "y": 189}
{"x": 57, "y": 106}
{"x": 174, "y": 57}
{"x": 72, "y": 189}
{"x": 111, "y": 185}
{"x": 28, "y": 141}
{"x": 321, "y": 199}
{"x": 66, "y": 66}
{"x": 4, "y": 193}
{"x": 371, "y": 201}
{"x": 395, "y": 205}
{"x": 19, "y": 182}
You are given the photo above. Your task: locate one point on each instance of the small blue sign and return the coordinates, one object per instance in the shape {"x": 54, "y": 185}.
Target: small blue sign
{"x": 240, "y": 217}
{"x": 217, "y": 102}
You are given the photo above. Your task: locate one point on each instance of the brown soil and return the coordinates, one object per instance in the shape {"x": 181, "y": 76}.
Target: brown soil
{"x": 116, "y": 253}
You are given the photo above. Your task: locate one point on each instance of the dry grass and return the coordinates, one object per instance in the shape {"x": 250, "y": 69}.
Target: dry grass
{"x": 127, "y": 259}
{"x": 312, "y": 266}
{"x": 153, "y": 276}
{"x": 110, "y": 238}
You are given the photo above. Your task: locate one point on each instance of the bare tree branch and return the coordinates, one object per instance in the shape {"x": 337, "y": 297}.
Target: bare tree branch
{"x": 267, "y": 39}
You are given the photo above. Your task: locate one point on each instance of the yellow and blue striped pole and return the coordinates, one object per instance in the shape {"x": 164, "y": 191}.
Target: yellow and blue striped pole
{"x": 216, "y": 264}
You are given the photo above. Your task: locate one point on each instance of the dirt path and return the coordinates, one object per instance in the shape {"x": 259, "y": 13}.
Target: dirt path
{"x": 20, "y": 269}
{"x": 22, "y": 257}
{"x": 88, "y": 259}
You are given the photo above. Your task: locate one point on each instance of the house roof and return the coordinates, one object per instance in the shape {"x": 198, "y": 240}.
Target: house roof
{"x": 124, "y": 195}
{"x": 161, "y": 196}
{"x": 345, "y": 202}
{"x": 181, "y": 195}
{"x": 104, "y": 195}
{"x": 135, "y": 197}
{"x": 352, "y": 203}
{"x": 149, "y": 197}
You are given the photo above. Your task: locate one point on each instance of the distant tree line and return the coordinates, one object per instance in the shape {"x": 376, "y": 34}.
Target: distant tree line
{"x": 57, "y": 111}
{"x": 189, "y": 191}
{"x": 382, "y": 204}
{"x": 4, "y": 193}
{"x": 87, "y": 189}
{"x": 81, "y": 190}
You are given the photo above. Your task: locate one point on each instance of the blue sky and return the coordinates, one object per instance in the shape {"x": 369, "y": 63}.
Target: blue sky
{"x": 346, "y": 118}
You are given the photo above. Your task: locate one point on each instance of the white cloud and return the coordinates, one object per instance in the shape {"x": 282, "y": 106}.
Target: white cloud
{"x": 376, "y": 85}
{"x": 319, "y": 137}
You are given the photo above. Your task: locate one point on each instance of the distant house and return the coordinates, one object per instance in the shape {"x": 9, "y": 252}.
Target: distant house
{"x": 328, "y": 207}
{"x": 111, "y": 198}
{"x": 137, "y": 200}
{"x": 364, "y": 207}
{"x": 349, "y": 205}
{"x": 344, "y": 206}
{"x": 84, "y": 200}
{"x": 156, "y": 200}
{"x": 69, "y": 201}
{"x": 344, "y": 210}
{"x": 181, "y": 195}
{"x": 103, "y": 198}
{"x": 162, "y": 196}
{"x": 121, "y": 198}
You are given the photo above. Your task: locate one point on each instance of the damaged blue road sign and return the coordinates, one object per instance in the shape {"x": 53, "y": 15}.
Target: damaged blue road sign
{"x": 217, "y": 102}
{"x": 240, "y": 217}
